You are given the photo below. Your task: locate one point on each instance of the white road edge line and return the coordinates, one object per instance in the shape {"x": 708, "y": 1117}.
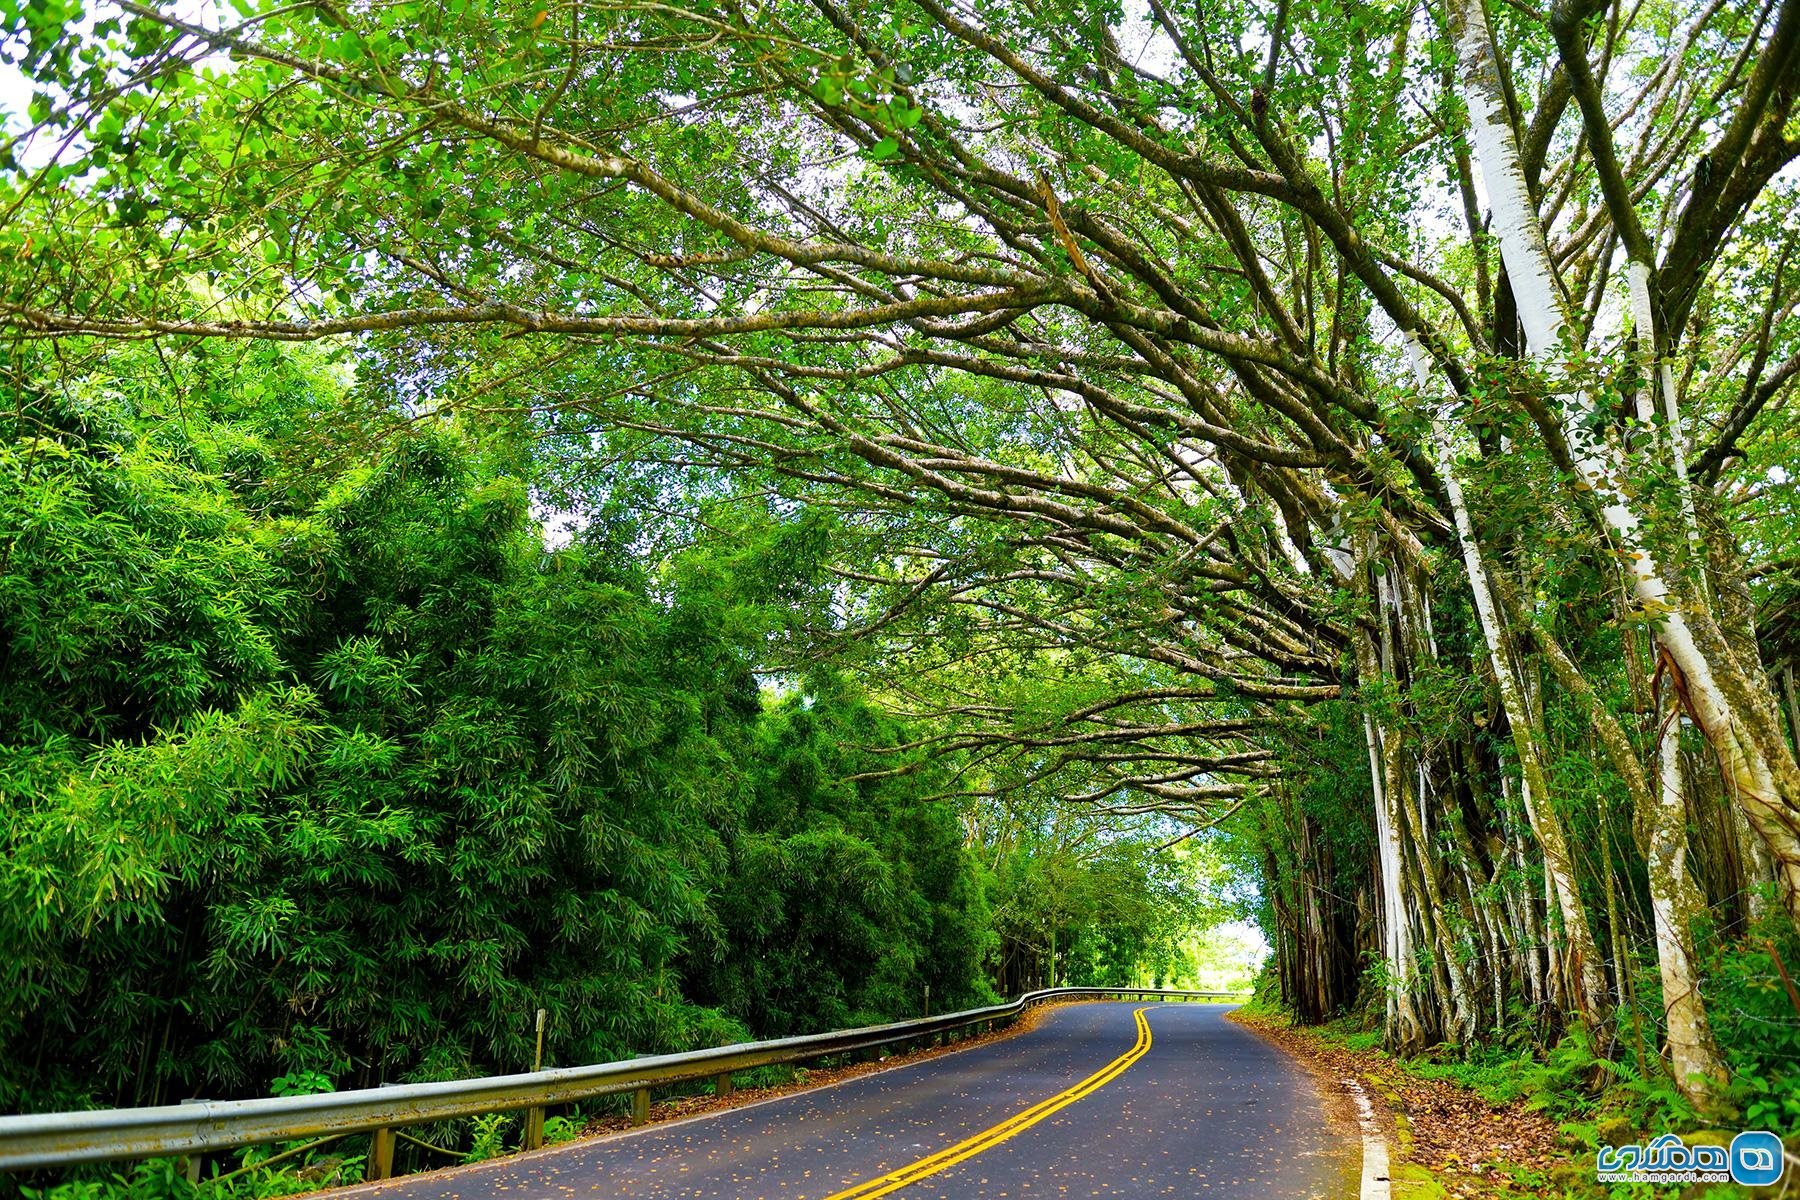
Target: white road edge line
{"x": 1375, "y": 1182}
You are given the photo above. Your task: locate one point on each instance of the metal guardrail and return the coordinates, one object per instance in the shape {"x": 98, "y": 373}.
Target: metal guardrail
{"x": 208, "y": 1126}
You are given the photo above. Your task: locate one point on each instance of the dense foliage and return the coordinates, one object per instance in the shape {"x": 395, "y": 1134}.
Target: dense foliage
{"x": 322, "y": 765}
{"x": 1361, "y": 430}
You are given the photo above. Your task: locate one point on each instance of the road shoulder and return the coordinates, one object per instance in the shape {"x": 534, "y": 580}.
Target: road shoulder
{"x": 1443, "y": 1140}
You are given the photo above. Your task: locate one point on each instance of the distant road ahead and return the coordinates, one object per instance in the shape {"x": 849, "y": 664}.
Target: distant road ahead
{"x": 1109, "y": 1100}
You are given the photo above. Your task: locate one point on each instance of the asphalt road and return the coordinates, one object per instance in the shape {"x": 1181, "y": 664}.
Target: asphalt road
{"x": 1094, "y": 1101}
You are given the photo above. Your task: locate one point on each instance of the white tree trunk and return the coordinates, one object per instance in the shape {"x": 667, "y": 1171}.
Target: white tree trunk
{"x": 1659, "y": 378}
{"x": 1398, "y": 948}
{"x": 1694, "y": 1057}
{"x": 1398, "y": 945}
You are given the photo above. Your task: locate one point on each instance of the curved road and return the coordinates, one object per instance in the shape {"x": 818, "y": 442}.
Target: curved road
{"x": 1095, "y": 1101}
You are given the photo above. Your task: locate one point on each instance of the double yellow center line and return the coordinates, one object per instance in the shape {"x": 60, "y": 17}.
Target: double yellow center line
{"x": 988, "y": 1138}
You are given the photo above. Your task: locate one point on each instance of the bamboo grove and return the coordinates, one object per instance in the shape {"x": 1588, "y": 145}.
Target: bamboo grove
{"x": 1361, "y": 429}
{"x": 323, "y": 769}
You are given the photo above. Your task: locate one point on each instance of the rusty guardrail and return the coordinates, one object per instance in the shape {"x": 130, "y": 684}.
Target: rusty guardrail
{"x": 194, "y": 1128}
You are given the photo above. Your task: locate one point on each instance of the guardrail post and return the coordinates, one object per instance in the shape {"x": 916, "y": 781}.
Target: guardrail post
{"x": 381, "y": 1156}
{"x": 722, "y": 1084}
{"x": 192, "y": 1163}
{"x": 534, "y": 1117}
{"x": 640, "y": 1106}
